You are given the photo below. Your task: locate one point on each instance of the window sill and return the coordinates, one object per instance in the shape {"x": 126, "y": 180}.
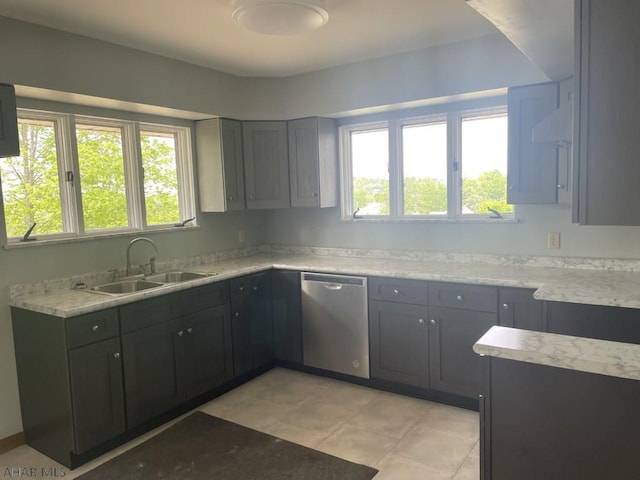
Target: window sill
{"x": 473, "y": 220}
{"x": 63, "y": 240}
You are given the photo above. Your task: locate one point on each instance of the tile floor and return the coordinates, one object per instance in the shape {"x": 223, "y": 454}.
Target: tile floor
{"x": 404, "y": 438}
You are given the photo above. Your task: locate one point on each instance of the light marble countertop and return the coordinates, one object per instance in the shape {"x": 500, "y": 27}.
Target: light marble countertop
{"x": 602, "y": 357}
{"x": 575, "y": 285}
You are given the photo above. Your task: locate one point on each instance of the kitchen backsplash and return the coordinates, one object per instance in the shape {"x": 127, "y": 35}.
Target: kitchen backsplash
{"x": 94, "y": 278}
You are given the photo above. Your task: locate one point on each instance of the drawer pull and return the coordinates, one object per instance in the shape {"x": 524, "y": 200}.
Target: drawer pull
{"x": 432, "y": 321}
{"x": 116, "y": 355}
{"x": 421, "y": 321}
{"x": 241, "y": 288}
{"x": 255, "y": 288}
{"x": 237, "y": 314}
{"x": 180, "y": 333}
{"x": 189, "y": 330}
{"x": 95, "y": 328}
{"x": 396, "y": 291}
{"x": 459, "y": 298}
{"x": 505, "y": 306}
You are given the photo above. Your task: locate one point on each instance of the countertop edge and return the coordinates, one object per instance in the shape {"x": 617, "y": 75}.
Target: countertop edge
{"x": 588, "y": 355}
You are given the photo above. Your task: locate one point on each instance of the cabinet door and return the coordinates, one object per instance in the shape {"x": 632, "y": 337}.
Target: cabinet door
{"x": 532, "y": 176}
{"x": 97, "y": 393}
{"x": 606, "y": 140}
{"x": 208, "y": 350}
{"x": 220, "y": 165}
{"x": 594, "y": 321}
{"x": 9, "y": 142}
{"x": 153, "y": 370}
{"x": 266, "y": 164}
{"x": 313, "y": 162}
{"x": 453, "y": 365}
{"x": 241, "y": 335}
{"x": 287, "y": 315}
{"x": 399, "y": 343}
{"x": 518, "y": 309}
{"x": 261, "y": 319}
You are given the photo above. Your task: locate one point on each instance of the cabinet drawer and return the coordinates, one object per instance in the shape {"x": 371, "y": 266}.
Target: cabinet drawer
{"x": 466, "y": 297}
{"x": 243, "y": 286}
{"x": 203, "y": 298}
{"x": 149, "y": 312}
{"x": 92, "y": 327}
{"x": 399, "y": 290}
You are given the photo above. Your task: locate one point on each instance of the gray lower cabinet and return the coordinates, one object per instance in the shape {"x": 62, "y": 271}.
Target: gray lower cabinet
{"x": 70, "y": 381}
{"x": 266, "y": 164}
{"x": 153, "y": 367}
{"x": 208, "y": 350}
{"x": 518, "y": 309}
{"x": 606, "y": 140}
{"x": 252, "y": 322}
{"x": 287, "y": 315}
{"x": 399, "y": 343}
{"x": 220, "y": 165}
{"x": 9, "y": 140}
{"x": 458, "y": 316}
{"x": 313, "y": 162}
{"x": 97, "y": 391}
{"x": 532, "y": 176}
{"x": 175, "y": 356}
{"x": 453, "y": 365}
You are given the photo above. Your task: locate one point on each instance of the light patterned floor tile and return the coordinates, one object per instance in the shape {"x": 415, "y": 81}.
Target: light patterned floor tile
{"x": 356, "y": 445}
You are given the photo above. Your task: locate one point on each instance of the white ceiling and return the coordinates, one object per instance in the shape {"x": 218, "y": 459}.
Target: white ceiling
{"x": 202, "y": 32}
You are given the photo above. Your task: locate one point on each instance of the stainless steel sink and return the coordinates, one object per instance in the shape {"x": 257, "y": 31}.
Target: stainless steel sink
{"x": 176, "y": 277}
{"x": 125, "y": 286}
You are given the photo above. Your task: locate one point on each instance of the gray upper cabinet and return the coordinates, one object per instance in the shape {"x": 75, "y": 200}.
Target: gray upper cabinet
{"x": 532, "y": 167}
{"x": 220, "y": 165}
{"x": 266, "y": 164}
{"x": 606, "y": 139}
{"x": 313, "y": 162}
{"x": 9, "y": 143}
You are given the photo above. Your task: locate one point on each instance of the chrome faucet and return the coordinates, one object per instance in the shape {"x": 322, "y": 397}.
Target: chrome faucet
{"x": 152, "y": 260}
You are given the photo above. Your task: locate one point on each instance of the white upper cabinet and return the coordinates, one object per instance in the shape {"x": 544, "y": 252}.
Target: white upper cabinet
{"x": 313, "y": 162}
{"x": 9, "y": 143}
{"x": 606, "y": 164}
{"x": 220, "y": 165}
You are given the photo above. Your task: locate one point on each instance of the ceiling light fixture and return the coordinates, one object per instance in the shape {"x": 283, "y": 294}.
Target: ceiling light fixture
{"x": 280, "y": 17}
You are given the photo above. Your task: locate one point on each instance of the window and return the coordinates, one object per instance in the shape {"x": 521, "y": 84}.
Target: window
{"x": 451, "y": 166}
{"x": 83, "y": 176}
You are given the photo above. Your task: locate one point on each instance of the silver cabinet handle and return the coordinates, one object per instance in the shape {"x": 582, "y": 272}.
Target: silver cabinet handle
{"x": 250, "y": 197}
{"x": 459, "y": 298}
{"x": 241, "y": 288}
{"x": 180, "y": 333}
{"x": 95, "y": 328}
{"x": 255, "y": 288}
{"x": 432, "y": 321}
{"x": 421, "y": 321}
{"x": 315, "y": 195}
{"x": 396, "y": 291}
{"x": 237, "y": 314}
{"x": 505, "y": 306}
{"x": 230, "y": 198}
{"x": 116, "y": 355}
{"x": 189, "y": 330}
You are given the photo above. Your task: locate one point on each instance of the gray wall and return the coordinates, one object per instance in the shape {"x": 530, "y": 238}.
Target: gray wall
{"x": 35, "y": 56}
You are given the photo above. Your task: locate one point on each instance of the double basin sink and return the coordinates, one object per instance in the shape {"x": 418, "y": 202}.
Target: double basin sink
{"x": 128, "y": 286}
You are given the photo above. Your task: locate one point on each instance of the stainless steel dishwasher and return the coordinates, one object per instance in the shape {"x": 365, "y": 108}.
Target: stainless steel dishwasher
{"x": 335, "y": 327}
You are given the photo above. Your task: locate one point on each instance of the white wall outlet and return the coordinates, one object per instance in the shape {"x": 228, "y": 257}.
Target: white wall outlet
{"x": 241, "y": 238}
{"x": 553, "y": 240}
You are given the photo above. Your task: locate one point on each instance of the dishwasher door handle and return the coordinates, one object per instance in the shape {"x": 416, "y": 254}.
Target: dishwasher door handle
{"x": 332, "y": 286}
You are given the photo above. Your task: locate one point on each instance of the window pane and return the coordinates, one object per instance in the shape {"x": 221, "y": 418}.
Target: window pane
{"x": 30, "y": 182}
{"x": 104, "y": 199}
{"x": 160, "y": 177}
{"x": 424, "y": 157}
{"x": 484, "y": 164}
{"x": 370, "y": 163}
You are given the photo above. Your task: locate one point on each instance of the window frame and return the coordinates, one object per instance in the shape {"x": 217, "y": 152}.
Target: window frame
{"x": 71, "y": 191}
{"x": 394, "y": 122}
